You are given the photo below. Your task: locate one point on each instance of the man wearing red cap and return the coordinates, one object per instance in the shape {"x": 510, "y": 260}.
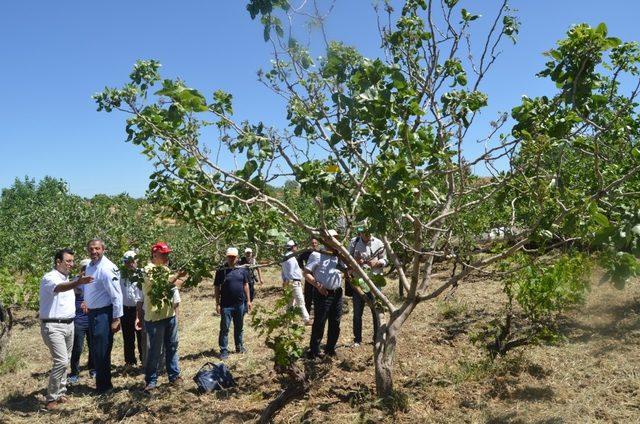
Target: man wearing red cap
{"x": 160, "y": 321}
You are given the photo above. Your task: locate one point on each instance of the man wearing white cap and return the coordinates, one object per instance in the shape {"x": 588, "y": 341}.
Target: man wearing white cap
{"x": 130, "y": 283}
{"x": 292, "y": 275}
{"x": 231, "y": 287}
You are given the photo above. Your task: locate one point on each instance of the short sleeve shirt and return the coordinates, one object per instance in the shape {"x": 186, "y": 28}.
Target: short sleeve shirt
{"x": 325, "y": 270}
{"x": 60, "y": 305}
{"x": 231, "y": 282}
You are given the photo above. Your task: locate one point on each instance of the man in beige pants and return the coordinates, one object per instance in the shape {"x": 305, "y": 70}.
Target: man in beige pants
{"x": 57, "y": 311}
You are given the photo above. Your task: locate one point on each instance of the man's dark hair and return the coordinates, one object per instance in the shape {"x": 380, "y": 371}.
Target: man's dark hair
{"x": 60, "y": 254}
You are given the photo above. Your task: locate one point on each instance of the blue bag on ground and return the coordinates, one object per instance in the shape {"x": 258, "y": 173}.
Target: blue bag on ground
{"x": 213, "y": 377}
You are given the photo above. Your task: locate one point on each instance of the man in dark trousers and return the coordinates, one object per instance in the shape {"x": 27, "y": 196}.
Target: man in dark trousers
{"x": 130, "y": 282}
{"x": 80, "y": 332}
{"x": 324, "y": 272}
{"x": 303, "y": 258}
{"x": 104, "y": 300}
{"x": 371, "y": 255}
{"x": 231, "y": 292}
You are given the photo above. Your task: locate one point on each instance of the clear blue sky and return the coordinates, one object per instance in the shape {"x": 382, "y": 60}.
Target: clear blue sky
{"x": 56, "y": 54}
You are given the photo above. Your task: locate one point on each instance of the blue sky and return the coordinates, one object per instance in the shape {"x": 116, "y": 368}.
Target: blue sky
{"x": 55, "y": 55}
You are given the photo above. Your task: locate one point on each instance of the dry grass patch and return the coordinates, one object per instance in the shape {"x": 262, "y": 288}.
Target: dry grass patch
{"x": 591, "y": 376}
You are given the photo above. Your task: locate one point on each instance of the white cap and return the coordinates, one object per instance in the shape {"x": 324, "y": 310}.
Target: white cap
{"x": 232, "y": 251}
{"x": 85, "y": 262}
{"x": 248, "y": 250}
{"x": 332, "y": 233}
{"x": 128, "y": 255}
{"x": 290, "y": 243}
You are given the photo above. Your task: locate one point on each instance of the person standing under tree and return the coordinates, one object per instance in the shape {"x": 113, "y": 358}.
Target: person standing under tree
{"x": 57, "y": 312}
{"x": 231, "y": 292}
{"x": 104, "y": 301}
{"x": 324, "y": 272}
{"x": 371, "y": 255}
{"x": 292, "y": 276}
{"x": 303, "y": 258}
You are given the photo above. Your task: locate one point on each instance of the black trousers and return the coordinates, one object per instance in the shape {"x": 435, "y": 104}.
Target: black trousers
{"x": 308, "y": 296}
{"x": 130, "y": 336}
{"x": 327, "y": 308}
{"x": 359, "y": 304}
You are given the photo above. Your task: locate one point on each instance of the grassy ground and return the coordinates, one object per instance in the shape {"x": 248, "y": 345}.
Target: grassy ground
{"x": 591, "y": 376}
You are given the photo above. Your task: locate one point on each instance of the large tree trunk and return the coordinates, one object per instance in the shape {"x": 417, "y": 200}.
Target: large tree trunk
{"x": 384, "y": 355}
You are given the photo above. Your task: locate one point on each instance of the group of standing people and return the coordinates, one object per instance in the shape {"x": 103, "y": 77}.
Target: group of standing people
{"x": 315, "y": 277}
{"x": 102, "y": 300}
{"x": 97, "y": 304}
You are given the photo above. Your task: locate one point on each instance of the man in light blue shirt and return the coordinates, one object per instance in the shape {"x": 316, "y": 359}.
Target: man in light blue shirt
{"x": 104, "y": 301}
{"x": 324, "y": 272}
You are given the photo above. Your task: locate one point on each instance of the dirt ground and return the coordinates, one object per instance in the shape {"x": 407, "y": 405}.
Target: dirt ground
{"x": 592, "y": 375}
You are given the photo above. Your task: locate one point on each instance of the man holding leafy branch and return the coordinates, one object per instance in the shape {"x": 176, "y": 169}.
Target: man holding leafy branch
{"x": 160, "y": 300}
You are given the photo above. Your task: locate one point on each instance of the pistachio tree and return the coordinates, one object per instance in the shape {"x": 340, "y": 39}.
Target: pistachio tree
{"x": 387, "y": 140}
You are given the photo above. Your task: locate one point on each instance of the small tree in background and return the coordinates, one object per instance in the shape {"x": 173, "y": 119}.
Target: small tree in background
{"x": 387, "y": 140}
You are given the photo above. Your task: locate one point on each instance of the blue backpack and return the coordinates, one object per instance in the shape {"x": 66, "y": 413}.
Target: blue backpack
{"x": 213, "y": 377}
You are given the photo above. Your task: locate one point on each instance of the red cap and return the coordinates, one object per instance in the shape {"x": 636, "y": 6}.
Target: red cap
{"x": 161, "y": 247}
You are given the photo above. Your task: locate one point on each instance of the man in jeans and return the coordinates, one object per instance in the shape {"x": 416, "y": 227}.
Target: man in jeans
{"x": 231, "y": 291}
{"x": 104, "y": 301}
{"x": 80, "y": 332}
{"x": 160, "y": 322}
{"x": 324, "y": 272}
{"x": 57, "y": 312}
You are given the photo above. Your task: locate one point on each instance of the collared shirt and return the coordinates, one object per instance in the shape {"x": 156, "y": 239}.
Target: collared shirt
{"x": 129, "y": 290}
{"x": 152, "y": 312}
{"x": 61, "y": 305}
{"x": 367, "y": 251}
{"x": 325, "y": 270}
{"x": 105, "y": 288}
{"x": 290, "y": 269}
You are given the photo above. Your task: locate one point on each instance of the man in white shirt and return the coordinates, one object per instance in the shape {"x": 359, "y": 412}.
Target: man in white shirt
{"x": 324, "y": 273}
{"x": 104, "y": 301}
{"x": 130, "y": 283}
{"x": 57, "y": 311}
{"x": 292, "y": 275}
{"x": 371, "y": 254}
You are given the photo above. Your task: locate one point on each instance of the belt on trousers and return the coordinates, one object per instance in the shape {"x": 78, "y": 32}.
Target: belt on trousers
{"x": 57, "y": 321}
{"x": 103, "y": 309}
{"x": 334, "y": 291}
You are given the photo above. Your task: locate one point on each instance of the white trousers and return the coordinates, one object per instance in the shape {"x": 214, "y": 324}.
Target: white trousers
{"x": 298, "y": 298}
{"x": 59, "y": 340}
